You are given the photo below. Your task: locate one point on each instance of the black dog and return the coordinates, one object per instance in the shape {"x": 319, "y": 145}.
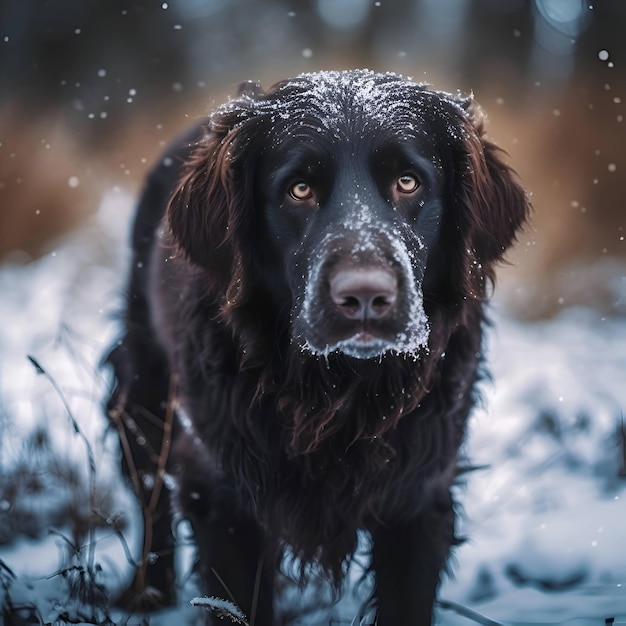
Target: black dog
{"x": 311, "y": 307}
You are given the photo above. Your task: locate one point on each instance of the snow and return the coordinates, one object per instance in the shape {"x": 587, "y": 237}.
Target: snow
{"x": 544, "y": 513}
{"x": 550, "y": 506}
{"x": 60, "y": 310}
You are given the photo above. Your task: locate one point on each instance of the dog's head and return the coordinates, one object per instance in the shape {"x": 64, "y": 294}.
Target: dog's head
{"x": 355, "y": 201}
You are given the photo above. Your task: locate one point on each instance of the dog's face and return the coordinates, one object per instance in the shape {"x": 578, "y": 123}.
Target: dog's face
{"x": 354, "y": 198}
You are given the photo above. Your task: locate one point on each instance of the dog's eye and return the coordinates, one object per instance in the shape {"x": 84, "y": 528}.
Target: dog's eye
{"x": 407, "y": 183}
{"x": 301, "y": 191}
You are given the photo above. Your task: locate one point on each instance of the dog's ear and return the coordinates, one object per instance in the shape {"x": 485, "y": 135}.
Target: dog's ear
{"x": 497, "y": 204}
{"x": 494, "y": 205}
{"x": 205, "y": 209}
{"x": 198, "y": 210}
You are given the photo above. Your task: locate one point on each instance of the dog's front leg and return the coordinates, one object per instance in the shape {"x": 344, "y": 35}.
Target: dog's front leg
{"x": 407, "y": 560}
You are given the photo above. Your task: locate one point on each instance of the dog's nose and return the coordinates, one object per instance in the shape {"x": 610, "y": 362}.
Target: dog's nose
{"x": 362, "y": 294}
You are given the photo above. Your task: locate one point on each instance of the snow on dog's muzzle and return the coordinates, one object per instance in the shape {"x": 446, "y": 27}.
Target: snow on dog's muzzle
{"x": 363, "y": 296}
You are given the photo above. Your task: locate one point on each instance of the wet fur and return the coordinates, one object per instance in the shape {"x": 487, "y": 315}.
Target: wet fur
{"x": 289, "y": 448}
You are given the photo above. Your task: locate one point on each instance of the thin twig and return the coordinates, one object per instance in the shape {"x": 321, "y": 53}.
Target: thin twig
{"x": 118, "y": 416}
{"x": 465, "y": 611}
{"x": 90, "y": 456}
{"x": 221, "y": 580}
{"x": 165, "y": 443}
{"x": 255, "y": 594}
{"x": 120, "y": 535}
{"x": 77, "y": 429}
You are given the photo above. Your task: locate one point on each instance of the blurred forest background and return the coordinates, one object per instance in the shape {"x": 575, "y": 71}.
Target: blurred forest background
{"x": 91, "y": 91}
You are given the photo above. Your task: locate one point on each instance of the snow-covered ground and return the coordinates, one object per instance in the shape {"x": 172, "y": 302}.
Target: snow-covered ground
{"x": 545, "y": 518}
{"x": 545, "y": 513}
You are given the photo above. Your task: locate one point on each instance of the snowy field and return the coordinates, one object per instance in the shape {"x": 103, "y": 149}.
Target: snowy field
{"x": 545, "y": 515}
